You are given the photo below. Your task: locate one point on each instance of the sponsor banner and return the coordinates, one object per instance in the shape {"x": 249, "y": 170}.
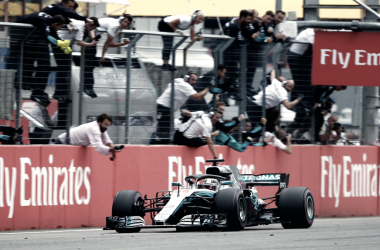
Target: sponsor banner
{"x": 57, "y": 186}
{"x": 346, "y": 58}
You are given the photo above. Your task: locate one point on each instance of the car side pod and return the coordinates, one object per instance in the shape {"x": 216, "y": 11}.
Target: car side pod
{"x": 296, "y": 207}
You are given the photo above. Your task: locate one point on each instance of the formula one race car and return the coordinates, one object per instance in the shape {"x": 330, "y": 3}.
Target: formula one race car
{"x": 222, "y": 198}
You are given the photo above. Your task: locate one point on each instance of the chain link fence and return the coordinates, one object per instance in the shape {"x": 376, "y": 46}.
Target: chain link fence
{"x": 48, "y": 92}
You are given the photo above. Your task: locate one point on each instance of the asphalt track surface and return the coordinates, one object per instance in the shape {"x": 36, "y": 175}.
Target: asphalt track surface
{"x": 331, "y": 233}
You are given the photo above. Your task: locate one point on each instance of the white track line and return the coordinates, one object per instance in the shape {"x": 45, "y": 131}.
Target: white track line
{"x": 346, "y": 218}
{"x": 56, "y": 231}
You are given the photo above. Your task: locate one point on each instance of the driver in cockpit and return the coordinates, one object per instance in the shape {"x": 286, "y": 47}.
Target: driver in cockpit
{"x": 210, "y": 184}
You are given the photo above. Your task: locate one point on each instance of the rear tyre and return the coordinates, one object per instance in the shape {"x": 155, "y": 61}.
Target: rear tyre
{"x": 296, "y": 205}
{"x": 124, "y": 204}
{"x": 231, "y": 201}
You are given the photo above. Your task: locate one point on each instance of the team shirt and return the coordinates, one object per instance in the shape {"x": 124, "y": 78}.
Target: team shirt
{"x": 184, "y": 21}
{"x": 182, "y": 91}
{"x": 111, "y": 25}
{"x": 275, "y": 142}
{"x": 274, "y": 95}
{"x": 40, "y": 20}
{"x": 199, "y": 125}
{"x": 89, "y": 134}
{"x": 77, "y": 34}
{"x": 305, "y": 36}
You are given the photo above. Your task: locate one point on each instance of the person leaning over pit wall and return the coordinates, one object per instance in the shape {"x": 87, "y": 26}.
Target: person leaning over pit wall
{"x": 177, "y": 24}
{"x": 280, "y": 140}
{"x": 183, "y": 90}
{"x": 196, "y": 131}
{"x": 92, "y": 134}
{"x": 248, "y": 136}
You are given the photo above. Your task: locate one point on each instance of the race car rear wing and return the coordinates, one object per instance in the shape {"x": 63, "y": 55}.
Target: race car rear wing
{"x": 281, "y": 180}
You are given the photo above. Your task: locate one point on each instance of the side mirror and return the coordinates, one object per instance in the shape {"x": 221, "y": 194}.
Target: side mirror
{"x": 227, "y": 183}
{"x": 176, "y": 184}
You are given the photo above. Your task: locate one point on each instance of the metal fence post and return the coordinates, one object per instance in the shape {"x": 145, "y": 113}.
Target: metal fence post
{"x": 216, "y": 55}
{"x": 243, "y": 87}
{"x": 81, "y": 83}
{"x": 128, "y": 83}
{"x": 20, "y": 74}
{"x": 175, "y": 47}
{"x": 184, "y": 67}
{"x": 224, "y": 47}
{"x": 69, "y": 114}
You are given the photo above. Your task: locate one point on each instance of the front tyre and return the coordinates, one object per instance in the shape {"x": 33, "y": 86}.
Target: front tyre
{"x": 231, "y": 201}
{"x": 128, "y": 203}
{"x": 296, "y": 205}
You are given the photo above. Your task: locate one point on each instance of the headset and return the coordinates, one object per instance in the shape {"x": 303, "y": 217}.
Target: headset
{"x": 284, "y": 83}
{"x": 195, "y": 15}
{"x": 213, "y": 112}
{"x": 187, "y": 77}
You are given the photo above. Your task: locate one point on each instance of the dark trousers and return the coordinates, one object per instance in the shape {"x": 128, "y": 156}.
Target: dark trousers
{"x": 231, "y": 60}
{"x": 251, "y": 64}
{"x": 90, "y": 63}
{"x": 180, "y": 139}
{"x": 167, "y": 40}
{"x": 300, "y": 67}
{"x": 62, "y": 85}
{"x": 36, "y": 50}
{"x": 63, "y": 77}
{"x": 255, "y": 112}
{"x": 163, "y": 124}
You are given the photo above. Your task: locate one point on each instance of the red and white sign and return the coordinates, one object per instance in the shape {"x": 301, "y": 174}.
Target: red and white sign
{"x": 346, "y": 58}
{"x": 57, "y": 186}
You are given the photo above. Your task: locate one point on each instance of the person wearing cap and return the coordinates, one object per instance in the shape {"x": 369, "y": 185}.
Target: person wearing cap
{"x": 114, "y": 27}
{"x": 177, "y": 24}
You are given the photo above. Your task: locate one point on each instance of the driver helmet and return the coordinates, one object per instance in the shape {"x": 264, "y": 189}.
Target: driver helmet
{"x": 210, "y": 184}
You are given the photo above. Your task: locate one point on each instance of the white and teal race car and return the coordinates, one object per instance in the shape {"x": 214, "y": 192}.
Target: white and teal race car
{"x": 222, "y": 198}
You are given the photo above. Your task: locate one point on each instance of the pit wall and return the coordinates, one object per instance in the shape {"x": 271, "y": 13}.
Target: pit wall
{"x": 57, "y": 186}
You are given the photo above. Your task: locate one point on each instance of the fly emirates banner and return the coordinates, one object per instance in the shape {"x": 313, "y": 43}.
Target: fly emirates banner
{"x": 346, "y": 58}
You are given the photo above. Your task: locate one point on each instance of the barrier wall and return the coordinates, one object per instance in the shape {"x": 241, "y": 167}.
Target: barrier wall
{"x": 67, "y": 186}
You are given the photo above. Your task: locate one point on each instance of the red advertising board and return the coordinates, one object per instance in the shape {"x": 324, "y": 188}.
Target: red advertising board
{"x": 346, "y": 58}
{"x": 65, "y": 186}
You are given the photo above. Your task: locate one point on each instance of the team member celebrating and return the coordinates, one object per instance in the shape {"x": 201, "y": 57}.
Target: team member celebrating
{"x": 92, "y": 133}
{"x": 176, "y": 24}
{"x": 183, "y": 90}
{"x": 81, "y": 31}
{"x": 36, "y": 49}
{"x": 196, "y": 131}
{"x": 66, "y": 9}
{"x": 114, "y": 28}
{"x": 226, "y": 138}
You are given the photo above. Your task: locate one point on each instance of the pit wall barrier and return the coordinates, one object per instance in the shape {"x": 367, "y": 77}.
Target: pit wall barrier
{"x": 68, "y": 187}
